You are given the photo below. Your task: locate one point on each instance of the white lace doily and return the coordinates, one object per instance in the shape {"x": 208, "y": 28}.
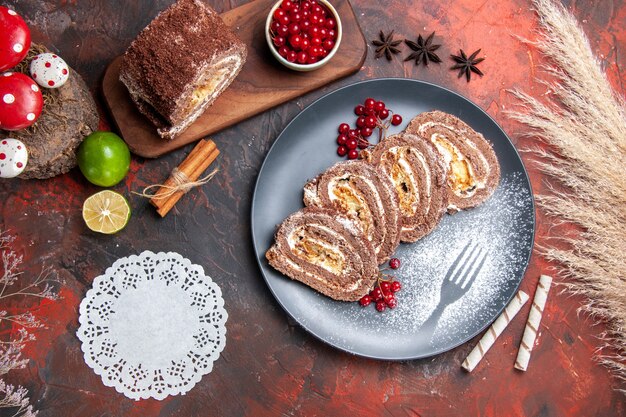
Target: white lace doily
{"x": 152, "y": 325}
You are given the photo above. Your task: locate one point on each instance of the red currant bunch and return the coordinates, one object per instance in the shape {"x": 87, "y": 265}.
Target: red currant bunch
{"x": 303, "y": 31}
{"x": 383, "y": 295}
{"x": 372, "y": 114}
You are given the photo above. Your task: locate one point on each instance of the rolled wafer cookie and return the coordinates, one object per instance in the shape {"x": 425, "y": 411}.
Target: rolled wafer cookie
{"x": 532, "y": 325}
{"x": 496, "y": 329}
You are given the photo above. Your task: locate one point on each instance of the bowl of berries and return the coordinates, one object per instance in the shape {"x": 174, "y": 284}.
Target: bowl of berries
{"x": 303, "y": 35}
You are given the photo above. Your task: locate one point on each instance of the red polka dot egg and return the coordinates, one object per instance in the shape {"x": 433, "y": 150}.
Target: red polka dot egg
{"x": 13, "y": 158}
{"x": 21, "y": 101}
{"x": 14, "y": 38}
{"x": 49, "y": 70}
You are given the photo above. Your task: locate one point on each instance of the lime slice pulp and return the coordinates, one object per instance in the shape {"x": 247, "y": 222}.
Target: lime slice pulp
{"x": 106, "y": 212}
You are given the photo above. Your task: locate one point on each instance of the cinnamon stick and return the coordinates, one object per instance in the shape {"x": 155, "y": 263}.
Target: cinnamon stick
{"x": 198, "y": 160}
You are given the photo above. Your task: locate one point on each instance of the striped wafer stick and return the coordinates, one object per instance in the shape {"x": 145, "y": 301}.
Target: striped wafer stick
{"x": 532, "y": 325}
{"x": 494, "y": 331}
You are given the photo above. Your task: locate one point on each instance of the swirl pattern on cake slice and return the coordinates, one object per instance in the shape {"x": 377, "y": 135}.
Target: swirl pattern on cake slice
{"x": 359, "y": 190}
{"x": 327, "y": 251}
{"x": 414, "y": 167}
{"x": 472, "y": 165}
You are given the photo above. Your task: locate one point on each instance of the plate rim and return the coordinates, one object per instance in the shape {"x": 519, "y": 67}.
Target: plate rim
{"x": 400, "y": 357}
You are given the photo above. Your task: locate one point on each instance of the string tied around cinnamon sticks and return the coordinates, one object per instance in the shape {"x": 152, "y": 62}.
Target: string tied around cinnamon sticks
{"x": 181, "y": 182}
{"x": 183, "y": 178}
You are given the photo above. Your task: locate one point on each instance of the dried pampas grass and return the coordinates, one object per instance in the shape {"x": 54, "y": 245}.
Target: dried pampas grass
{"x": 583, "y": 123}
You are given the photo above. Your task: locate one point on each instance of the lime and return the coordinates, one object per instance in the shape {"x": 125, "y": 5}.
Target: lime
{"x": 103, "y": 158}
{"x": 106, "y": 212}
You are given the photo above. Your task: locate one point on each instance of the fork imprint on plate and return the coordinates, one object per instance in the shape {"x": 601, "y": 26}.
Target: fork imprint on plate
{"x": 457, "y": 282}
{"x": 466, "y": 266}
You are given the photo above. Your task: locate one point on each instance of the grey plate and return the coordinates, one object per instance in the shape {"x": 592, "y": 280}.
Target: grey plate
{"x": 425, "y": 322}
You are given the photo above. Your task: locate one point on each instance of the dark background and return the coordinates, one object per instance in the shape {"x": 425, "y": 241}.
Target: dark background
{"x": 270, "y": 365}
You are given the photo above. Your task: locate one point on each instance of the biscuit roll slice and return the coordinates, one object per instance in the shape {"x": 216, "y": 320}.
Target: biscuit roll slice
{"x": 414, "y": 168}
{"x": 180, "y": 63}
{"x": 472, "y": 165}
{"x": 361, "y": 191}
{"x": 327, "y": 251}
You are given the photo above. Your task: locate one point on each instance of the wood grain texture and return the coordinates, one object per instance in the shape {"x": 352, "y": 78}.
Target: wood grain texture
{"x": 262, "y": 83}
{"x": 270, "y": 366}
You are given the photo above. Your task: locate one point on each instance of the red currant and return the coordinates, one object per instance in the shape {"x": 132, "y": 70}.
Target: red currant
{"x": 294, "y": 29}
{"x": 317, "y": 9}
{"x": 312, "y": 59}
{"x": 353, "y": 133}
{"x": 284, "y": 20}
{"x": 366, "y": 132}
{"x": 342, "y": 151}
{"x": 316, "y": 41}
{"x": 287, "y": 4}
{"x": 295, "y": 41}
{"x": 365, "y": 300}
{"x": 283, "y": 51}
{"x": 305, "y": 25}
{"x": 332, "y": 33}
{"x": 315, "y": 20}
{"x": 331, "y": 23}
{"x": 344, "y": 128}
{"x": 369, "y": 103}
{"x": 391, "y": 301}
{"x": 323, "y": 30}
{"x": 351, "y": 143}
{"x": 359, "y": 110}
{"x": 295, "y": 16}
{"x": 383, "y": 114}
{"x": 376, "y": 294}
{"x": 328, "y": 44}
{"x": 283, "y": 30}
{"x": 279, "y": 41}
{"x": 291, "y": 56}
{"x": 396, "y": 119}
{"x": 353, "y": 154}
{"x": 302, "y": 57}
{"x": 379, "y": 106}
{"x": 360, "y": 122}
{"x": 278, "y": 13}
{"x": 342, "y": 139}
{"x": 275, "y": 25}
{"x": 396, "y": 286}
{"x": 380, "y": 306}
{"x": 385, "y": 287}
{"x": 370, "y": 121}
{"x": 305, "y": 5}
{"x": 394, "y": 263}
{"x": 304, "y": 44}
{"x": 314, "y": 30}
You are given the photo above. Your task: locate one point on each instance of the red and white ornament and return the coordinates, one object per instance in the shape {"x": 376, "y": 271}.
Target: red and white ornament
{"x": 49, "y": 70}
{"x": 21, "y": 101}
{"x": 13, "y": 157}
{"x": 15, "y": 39}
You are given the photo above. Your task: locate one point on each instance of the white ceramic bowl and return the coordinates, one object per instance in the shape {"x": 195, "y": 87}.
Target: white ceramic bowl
{"x": 293, "y": 65}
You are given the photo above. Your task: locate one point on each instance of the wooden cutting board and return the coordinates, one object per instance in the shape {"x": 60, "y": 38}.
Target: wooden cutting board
{"x": 262, "y": 83}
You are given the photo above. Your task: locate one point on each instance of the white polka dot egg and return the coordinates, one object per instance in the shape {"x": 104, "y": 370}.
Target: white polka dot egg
{"x": 13, "y": 157}
{"x": 49, "y": 70}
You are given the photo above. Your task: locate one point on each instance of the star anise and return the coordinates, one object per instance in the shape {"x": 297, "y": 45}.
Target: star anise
{"x": 386, "y": 45}
{"x": 424, "y": 50}
{"x": 466, "y": 65}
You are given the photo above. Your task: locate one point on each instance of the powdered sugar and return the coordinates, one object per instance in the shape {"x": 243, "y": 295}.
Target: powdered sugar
{"x": 503, "y": 226}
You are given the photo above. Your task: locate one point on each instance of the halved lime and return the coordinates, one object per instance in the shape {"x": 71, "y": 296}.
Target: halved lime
{"x": 106, "y": 212}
